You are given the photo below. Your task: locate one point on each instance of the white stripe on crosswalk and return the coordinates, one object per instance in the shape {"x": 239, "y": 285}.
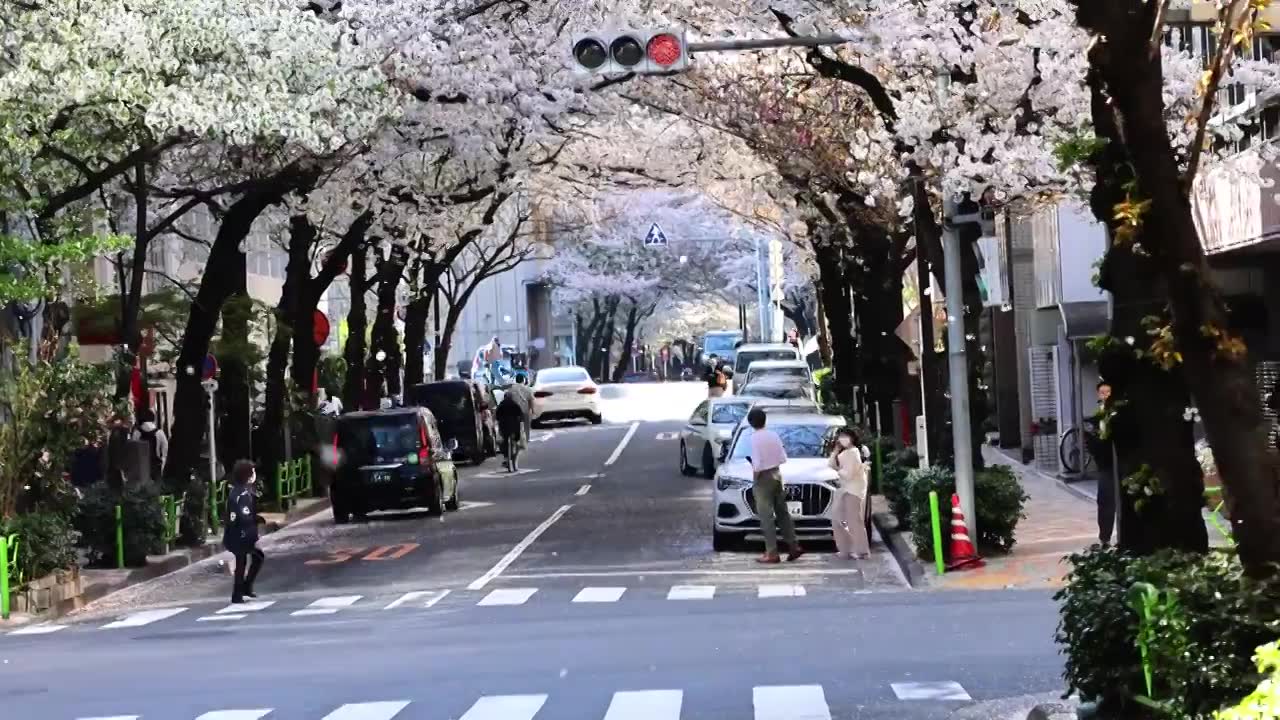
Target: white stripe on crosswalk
{"x": 508, "y": 596}
{"x": 432, "y": 597}
{"x": 773, "y": 591}
{"x": 328, "y": 605}
{"x": 114, "y": 717}
{"x": 247, "y": 607}
{"x": 645, "y": 705}
{"x": 944, "y": 690}
{"x": 146, "y": 617}
{"x": 235, "y": 714}
{"x": 692, "y": 592}
{"x": 41, "y": 629}
{"x": 505, "y": 707}
{"x": 368, "y": 711}
{"x": 222, "y": 618}
{"x": 599, "y": 594}
{"x": 790, "y": 702}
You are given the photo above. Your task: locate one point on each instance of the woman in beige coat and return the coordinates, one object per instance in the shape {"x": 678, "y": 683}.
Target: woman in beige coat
{"x": 847, "y": 520}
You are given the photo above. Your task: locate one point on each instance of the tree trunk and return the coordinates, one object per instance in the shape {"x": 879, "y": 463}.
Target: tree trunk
{"x": 838, "y": 311}
{"x": 354, "y": 351}
{"x": 602, "y": 342}
{"x": 384, "y": 375}
{"x": 624, "y": 362}
{"x": 1149, "y": 428}
{"x": 217, "y": 284}
{"x": 131, "y": 303}
{"x": 824, "y": 333}
{"x": 234, "y": 390}
{"x": 416, "y": 316}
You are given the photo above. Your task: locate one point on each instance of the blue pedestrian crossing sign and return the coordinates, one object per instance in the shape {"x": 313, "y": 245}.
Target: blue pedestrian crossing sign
{"x": 655, "y": 237}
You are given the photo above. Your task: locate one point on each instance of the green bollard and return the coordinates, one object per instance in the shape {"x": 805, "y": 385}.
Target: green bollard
{"x": 213, "y": 505}
{"x": 4, "y": 578}
{"x": 120, "y": 537}
{"x": 937, "y": 532}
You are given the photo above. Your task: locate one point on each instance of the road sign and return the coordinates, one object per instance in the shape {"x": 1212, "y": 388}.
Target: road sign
{"x": 210, "y": 368}
{"x": 655, "y": 237}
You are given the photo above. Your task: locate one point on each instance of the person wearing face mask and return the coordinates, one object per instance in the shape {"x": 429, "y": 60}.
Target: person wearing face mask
{"x": 847, "y": 520}
{"x": 241, "y": 534}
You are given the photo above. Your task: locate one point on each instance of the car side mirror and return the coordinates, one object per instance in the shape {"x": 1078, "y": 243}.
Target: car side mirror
{"x": 451, "y": 445}
{"x": 724, "y": 452}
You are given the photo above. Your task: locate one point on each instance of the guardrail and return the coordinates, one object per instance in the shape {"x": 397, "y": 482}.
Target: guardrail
{"x": 171, "y": 508}
{"x": 8, "y": 570}
{"x": 293, "y": 481}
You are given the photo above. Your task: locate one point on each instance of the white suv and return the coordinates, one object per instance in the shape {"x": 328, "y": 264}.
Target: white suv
{"x": 809, "y": 482}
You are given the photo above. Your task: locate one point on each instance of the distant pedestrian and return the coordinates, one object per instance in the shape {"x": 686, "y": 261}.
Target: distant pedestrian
{"x": 511, "y": 416}
{"x": 848, "y": 520}
{"x": 717, "y": 383}
{"x": 117, "y": 452}
{"x": 157, "y": 443}
{"x": 766, "y": 458}
{"x": 1100, "y": 449}
{"x": 241, "y": 534}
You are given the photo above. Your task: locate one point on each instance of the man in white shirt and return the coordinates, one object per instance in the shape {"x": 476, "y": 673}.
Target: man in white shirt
{"x": 767, "y": 456}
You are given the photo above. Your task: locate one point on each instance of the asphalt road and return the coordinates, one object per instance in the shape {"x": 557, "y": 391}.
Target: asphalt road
{"x": 583, "y": 588}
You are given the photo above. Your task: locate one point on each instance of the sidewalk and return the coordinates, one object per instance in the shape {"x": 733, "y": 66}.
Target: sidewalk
{"x": 1058, "y": 522}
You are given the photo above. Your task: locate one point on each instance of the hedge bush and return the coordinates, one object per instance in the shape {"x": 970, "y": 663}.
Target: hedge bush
{"x": 1213, "y": 619}
{"x": 888, "y": 446}
{"x": 893, "y": 484}
{"x": 143, "y": 524}
{"x": 998, "y": 502}
{"x": 46, "y": 542}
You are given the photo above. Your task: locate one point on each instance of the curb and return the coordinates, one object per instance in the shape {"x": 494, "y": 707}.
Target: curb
{"x": 1038, "y": 706}
{"x": 172, "y": 562}
{"x": 887, "y": 525}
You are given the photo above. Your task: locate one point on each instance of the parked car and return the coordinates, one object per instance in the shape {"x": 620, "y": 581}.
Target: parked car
{"x": 392, "y": 460}
{"x": 810, "y": 483}
{"x": 488, "y": 402}
{"x": 795, "y": 369}
{"x": 565, "y": 393}
{"x": 710, "y": 425}
{"x": 753, "y": 352}
{"x": 460, "y": 410}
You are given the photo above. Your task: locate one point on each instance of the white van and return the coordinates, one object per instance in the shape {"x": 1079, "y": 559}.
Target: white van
{"x": 753, "y": 352}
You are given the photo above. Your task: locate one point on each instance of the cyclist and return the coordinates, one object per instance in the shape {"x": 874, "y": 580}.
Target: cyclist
{"x": 511, "y": 425}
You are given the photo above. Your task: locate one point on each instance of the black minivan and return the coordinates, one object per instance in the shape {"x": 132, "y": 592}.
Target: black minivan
{"x": 391, "y": 460}
{"x": 460, "y": 410}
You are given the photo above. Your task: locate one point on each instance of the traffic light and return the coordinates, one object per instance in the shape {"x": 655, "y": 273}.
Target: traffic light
{"x": 644, "y": 52}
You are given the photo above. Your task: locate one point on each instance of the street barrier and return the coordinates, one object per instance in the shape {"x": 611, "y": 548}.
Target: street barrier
{"x": 171, "y": 507}
{"x": 8, "y": 570}
{"x": 936, "y": 519}
{"x": 293, "y": 481}
{"x": 119, "y": 537}
{"x": 217, "y": 503}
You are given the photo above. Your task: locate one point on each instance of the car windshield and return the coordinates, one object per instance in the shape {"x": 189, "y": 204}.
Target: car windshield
{"x": 449, "y": 402}
{"x": 777, "y": 392}
{"x": 800, "y": 441}
{"x": 728, "y": 413}
{"x": 777, "y": 372}
{"x": 379, "y": 439}
{"x": 559, "y": 375}
{"x": 720, "y": 345}
{"x": 744, "y": 359}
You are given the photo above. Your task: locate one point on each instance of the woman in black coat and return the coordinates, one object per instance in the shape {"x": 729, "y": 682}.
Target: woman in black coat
{"x": 241, "y": 534}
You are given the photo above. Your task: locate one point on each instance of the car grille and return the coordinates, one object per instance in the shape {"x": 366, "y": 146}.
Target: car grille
{"x": 814, "y": 499}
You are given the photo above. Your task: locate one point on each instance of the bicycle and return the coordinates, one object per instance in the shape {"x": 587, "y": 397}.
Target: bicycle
{"x": 1075, "y": 455}
{"x": 511, "y": 450}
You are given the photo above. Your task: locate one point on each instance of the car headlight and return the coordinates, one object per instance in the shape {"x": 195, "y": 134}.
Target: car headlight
{"x": 725, "y": 482}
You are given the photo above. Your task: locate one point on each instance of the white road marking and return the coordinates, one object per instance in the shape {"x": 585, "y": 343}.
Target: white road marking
{"x": 507, "y": 596}
{"x": 599, "y": 595}
{"x": 773, "y": 591}
{"x": 41, "y": 629}
{"x": 235, "y": 714}
{"x": 328, "y": 605}
{"x": 519, "y": 549}
{"x": 692, "y": 592}
{"x": 433, "y": 597}
{"x": 254, "y": 606}
{"x": 583, "y": 490}
{"x": 504, "y": 473}
{"x": 146, "y": 617}
{"x": 645, "y": 705}
{"x": 226, "y": 617}
{"x": 469, "y": 505}
{"x": 667, "y": 436}
{"x": 790, "y": 702}
{"x": 114, "y": 717}
{"x": 368, "y": 711}
{"x": 646, "y": 573}
{"x": 622, "y": 444}
{"x": 945, "y": 690}
{"x": 505, "y": 707}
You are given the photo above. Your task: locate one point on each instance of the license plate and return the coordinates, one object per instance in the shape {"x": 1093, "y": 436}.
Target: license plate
{"x": 383, "y": 476}
{"x": 795, "y": 508}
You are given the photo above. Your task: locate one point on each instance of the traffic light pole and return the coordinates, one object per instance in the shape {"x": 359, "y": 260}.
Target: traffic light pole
{"x": 766, "y": 43}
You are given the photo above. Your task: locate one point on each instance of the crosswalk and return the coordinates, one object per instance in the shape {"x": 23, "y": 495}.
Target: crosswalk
{"x": 768, "y": 702}
{"x": 443, "y": 597}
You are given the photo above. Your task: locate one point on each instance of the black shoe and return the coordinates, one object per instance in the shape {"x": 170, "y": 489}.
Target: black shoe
{"x": 251, "y": 594}
{"x": 237, "y": 600}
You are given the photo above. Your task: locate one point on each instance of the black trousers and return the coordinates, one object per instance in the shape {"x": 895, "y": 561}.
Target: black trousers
{"x": 253, "y": 557}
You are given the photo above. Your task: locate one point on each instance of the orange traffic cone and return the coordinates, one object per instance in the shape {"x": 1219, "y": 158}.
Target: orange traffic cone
{"x": 963, "y": 554}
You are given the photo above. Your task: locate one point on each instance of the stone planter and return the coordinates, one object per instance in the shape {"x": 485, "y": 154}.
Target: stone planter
{"x": 51, "y": 591}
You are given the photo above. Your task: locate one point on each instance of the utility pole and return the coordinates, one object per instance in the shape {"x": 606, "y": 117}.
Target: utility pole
{"x": 958, "y": 362}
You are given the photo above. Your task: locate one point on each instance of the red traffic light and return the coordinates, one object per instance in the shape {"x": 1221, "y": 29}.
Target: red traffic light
{"x": 665, "y": 50}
